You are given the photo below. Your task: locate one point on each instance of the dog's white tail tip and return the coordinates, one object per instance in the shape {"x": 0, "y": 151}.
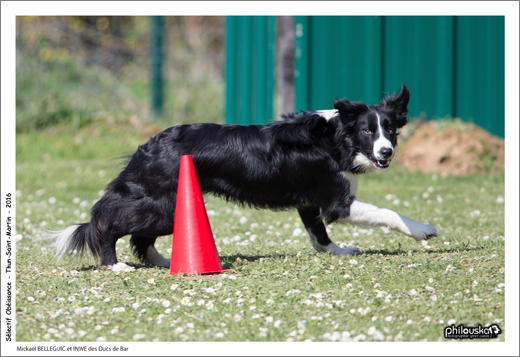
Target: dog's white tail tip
{"x": 62, "y": 239}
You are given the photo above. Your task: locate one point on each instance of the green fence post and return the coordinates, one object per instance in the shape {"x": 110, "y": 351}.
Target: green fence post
{"x": 157, "y": 57}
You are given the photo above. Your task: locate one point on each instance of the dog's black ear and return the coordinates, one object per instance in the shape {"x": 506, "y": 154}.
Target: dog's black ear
{"x": 350, "y": 110}
{"x": 398, "y": 104}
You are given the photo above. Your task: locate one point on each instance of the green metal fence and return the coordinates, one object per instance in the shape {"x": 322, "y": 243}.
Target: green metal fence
{"x": 453, "y": 65}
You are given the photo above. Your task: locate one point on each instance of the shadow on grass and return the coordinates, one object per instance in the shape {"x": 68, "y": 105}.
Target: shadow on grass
{"x": 413, "y": 251}
{"x": 229, "y": 261}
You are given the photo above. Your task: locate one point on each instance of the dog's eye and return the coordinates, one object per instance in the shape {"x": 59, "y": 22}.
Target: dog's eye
{"x": 367, "y": 131}
{"x": 390, "y": 131}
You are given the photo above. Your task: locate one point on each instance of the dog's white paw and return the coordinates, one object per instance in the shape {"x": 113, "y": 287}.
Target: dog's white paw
{"x": 165, "y": 263}
{"x": 155, "y": 258}
{"x": 334, "y": 249}
{"x": 349, "y": 251}
{"x": 118, "y": 267}
{"x": 423, "y": 231}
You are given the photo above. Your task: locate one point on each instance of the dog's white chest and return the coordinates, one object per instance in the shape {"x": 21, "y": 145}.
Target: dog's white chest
{"x": 353, "y": 180}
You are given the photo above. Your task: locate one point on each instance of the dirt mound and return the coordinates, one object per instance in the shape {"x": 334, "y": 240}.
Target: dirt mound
{"x": 450, "y": 146}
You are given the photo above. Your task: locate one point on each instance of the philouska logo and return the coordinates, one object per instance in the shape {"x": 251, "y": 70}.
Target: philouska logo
{"x": 462, "y": 332}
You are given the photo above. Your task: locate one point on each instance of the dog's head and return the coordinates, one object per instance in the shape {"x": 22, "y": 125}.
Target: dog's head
{"x": 372, "y": 129}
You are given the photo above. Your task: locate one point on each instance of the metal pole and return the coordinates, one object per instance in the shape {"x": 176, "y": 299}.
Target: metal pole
{"x": 285, "y": 63}
{"x": 157, "y": 58}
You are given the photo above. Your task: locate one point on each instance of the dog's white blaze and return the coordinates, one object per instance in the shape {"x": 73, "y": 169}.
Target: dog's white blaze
{"x": 381, "y": 142}
{"x": 62, "y": 240}
{"x": 155, "y": 258}
{"x": 365, "y": 214}
{"x": 327, "y": 114}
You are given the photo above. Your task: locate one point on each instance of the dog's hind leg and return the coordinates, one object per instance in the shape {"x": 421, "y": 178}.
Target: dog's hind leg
{"x": 144, "y": 249}
{"x": 108, "y": 255}
{"x": 310, "y": 216}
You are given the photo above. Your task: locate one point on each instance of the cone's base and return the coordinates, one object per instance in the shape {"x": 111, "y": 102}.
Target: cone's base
{"x": 205, "y": 273}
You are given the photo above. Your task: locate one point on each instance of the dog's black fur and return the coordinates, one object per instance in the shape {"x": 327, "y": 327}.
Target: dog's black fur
{"x": 292, "y": 163}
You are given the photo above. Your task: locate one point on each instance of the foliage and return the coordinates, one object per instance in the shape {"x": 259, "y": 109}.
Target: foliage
{"x": 80, "y": 70}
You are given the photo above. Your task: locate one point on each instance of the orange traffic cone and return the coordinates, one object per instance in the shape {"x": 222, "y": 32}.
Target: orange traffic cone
{"x": 193, "y": 246}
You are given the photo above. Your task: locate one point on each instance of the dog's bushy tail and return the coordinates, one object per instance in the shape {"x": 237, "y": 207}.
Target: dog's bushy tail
{"x": 76, "y": 239}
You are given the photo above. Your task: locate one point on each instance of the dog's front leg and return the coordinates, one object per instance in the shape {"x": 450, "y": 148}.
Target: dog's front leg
{"x": 311, "y": 219}
{"x": 365, "y": 214}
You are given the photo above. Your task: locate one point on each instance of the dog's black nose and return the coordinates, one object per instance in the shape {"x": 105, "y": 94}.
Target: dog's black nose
{"x": 386, "y": 152}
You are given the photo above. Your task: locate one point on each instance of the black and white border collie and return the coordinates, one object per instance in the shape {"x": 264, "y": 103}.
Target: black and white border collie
{"x": 309, "y": 160}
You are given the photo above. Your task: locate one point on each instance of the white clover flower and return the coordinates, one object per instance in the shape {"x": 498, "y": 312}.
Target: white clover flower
{"x": 297, "y": 232}
{"x": 138, "y": 336}
{"x": 378, "y": 335}
{"x": 360, "y": 337}
{"x": 307, "y": 302}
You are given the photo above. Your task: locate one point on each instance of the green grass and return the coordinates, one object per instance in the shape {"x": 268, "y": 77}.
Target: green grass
{"x": 279, "y": 288}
